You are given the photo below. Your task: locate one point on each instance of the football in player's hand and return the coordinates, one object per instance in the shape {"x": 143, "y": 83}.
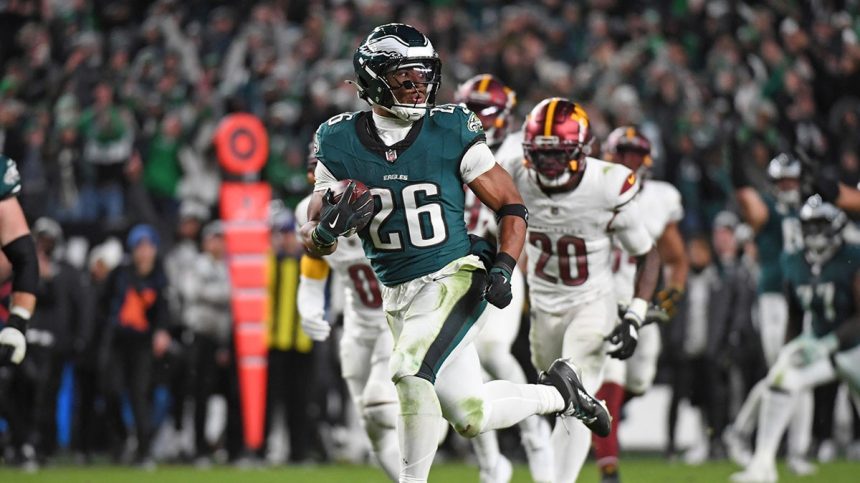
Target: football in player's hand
{"x": 341, "y": 186}
{"x": 357, "y": 210}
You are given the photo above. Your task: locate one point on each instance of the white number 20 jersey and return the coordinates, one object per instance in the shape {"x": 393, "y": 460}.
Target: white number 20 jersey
{"x": 363, "y": 299}
{"x": 659, "y": 205}
{"x": 568, "y": 246}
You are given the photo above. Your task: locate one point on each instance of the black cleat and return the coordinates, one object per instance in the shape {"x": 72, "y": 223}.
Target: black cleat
{"x": 562, "y": 375}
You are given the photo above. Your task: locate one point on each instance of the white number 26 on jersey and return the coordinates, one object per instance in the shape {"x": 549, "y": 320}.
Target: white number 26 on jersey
{"x": 390, "y": 238}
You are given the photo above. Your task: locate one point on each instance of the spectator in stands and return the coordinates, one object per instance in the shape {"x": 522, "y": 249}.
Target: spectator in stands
{"x": 103, "y": 260}
{"x": 108, "y": 135}
{"x": 211, "y": 325}
{"x": 718, "y": 312}
{"x": 136, "y": 335}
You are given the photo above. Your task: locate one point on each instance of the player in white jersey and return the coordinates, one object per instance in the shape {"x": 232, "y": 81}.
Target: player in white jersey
{"x": 492, "y": 101}
{"x": 366, "y": 345}
{"x": 576, "y": 203}
{"x": 661, "y": 210}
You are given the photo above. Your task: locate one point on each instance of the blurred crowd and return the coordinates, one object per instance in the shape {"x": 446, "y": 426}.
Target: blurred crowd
{"x": 109, "y": 108}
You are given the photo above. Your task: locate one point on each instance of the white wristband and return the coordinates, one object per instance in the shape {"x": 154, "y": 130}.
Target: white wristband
{"x": 20, "y": 312}
{"x": 638, "y": 308}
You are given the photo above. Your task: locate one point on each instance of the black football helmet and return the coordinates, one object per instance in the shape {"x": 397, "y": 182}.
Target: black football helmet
{"x": 822, "y": 224}
{"x": 391, "y": 48}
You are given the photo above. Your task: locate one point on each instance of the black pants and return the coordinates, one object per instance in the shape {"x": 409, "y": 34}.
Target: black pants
{"x": 87, "y": 417}
{"x": 289, "y": 389}
{"x": 209, "y": 378}
{"x": 130, "y": 372}
{"x": 702, "y": 381}
{"x": 28, "y": 399}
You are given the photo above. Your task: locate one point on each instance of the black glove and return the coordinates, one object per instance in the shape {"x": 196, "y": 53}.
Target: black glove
{"x": 817, "y": 178}
{"x": 498, "y": 290}
{"x": 342, "y": 218}
{"x": 625, "y": 336}
{"x": 483, "y": 249}
{"x": 669, "y": 299}
{"x": 827, "y": 185}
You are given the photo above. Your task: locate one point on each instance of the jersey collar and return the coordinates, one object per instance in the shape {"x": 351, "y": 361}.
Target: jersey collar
{"x": 369, "y": 138}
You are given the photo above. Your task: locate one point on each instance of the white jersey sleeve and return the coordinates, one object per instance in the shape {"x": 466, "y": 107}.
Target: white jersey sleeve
{"x": 627, "y": 224}
{"x": 630, "y": 230}
{"x": 301, "y": 212}
{"x": 324, "y": 178}
{"x": 310, "y": 298}
{"x": 658, "y": 205}
{"x": 477, "y": 160}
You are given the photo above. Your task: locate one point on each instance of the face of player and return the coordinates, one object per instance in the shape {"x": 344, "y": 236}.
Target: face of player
{"x": 409, "y": 85}
{"x": 788, "y": 191}
{"x": 631, "y": 159}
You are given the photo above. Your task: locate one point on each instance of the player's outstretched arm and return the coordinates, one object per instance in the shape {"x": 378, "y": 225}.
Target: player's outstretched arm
{"x": 848, "y": 198}
{"x": 307, "y": 230}
{"x": 311, "y": 297}
{"x": 671, "y": 248}
{"x": 496, "y": 189}
{"x": 753, "y": 209}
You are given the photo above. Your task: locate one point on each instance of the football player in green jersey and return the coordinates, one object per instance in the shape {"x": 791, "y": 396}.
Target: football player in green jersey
{"x": 20, "y": 249}
{"x": 415, "y": 157}
{"x": 773, "y": 217}
{"x": 822, "y": 285}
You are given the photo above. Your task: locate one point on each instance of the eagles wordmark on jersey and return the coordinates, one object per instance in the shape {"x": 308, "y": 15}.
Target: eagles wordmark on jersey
{"x": 415, "y": 229}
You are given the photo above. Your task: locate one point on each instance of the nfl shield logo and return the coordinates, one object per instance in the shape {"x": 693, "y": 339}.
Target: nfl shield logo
{"x": 390, "y": 155}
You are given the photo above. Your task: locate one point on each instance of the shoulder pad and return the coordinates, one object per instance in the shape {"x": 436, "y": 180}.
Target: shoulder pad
{"x": 456, "y": 116}
{"x": 621, "y": 184}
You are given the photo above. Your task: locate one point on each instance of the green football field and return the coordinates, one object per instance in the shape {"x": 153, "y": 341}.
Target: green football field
{"x": 634, "y": 471}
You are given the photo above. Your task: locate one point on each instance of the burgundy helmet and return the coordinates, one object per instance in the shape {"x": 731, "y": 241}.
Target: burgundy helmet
{"x": 629, "y": 139}
{"x": 557, "y": 138}
{"x": 492, "y": 101}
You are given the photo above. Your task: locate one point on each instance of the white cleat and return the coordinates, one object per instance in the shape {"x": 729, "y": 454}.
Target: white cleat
{"x": 539, "y": 453}
{"x": 800, "y": 466}
{"x": 737, "y": 447}
{"x": 501, "y": 473}
{"x": 827, "y": 451}
{"x": 755, "y": 475}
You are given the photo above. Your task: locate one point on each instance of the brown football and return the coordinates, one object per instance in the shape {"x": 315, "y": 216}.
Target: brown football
{"x": 339, "y": 188}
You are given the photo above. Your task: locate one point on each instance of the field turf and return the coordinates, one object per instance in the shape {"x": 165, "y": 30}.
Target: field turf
{"x": 633, "y": 471}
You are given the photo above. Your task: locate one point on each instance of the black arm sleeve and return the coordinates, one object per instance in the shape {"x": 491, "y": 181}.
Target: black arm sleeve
{"x": 25, "y": 265}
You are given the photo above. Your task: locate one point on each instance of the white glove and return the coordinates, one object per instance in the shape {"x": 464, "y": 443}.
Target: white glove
{"x": 807, "y": 349}
{"x": 316, "y": 329}
{"x": 13, "y": 345}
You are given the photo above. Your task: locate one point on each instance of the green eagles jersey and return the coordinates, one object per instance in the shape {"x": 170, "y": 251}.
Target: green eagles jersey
{"x": 418, "y": 225}
{"x": 827, "y": 299}
{"x": 10, "y": 180}
{"x": 781, "y": 234}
